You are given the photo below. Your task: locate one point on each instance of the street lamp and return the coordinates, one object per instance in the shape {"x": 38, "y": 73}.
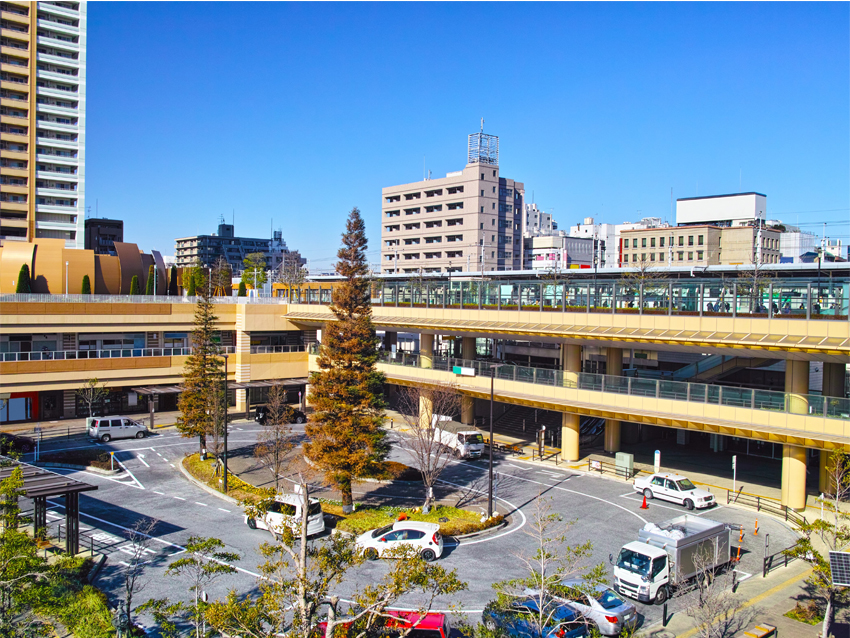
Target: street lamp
{"x": 225, "y": 423}
{"x": 493, "y": 369}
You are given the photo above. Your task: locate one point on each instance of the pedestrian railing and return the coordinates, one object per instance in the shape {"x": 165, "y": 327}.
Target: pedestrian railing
{"x": 603, "y": 467}
{"x": 766, "y": 504}
{"x": 117, "y": 353}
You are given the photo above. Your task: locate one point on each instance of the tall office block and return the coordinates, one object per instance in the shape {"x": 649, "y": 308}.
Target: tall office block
{"x": 42, "y": 135}
{"x": 468, "y": 220}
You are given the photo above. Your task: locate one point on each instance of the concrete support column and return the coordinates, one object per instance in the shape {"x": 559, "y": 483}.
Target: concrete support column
{"x": 833, "y": 379}
{"x": 614, "y": 366}
{"x": 570, "y": 363}
{"x": 797, "y": 385}
{"x": 390, "y": 340}
{"x": 426, "y": 411}
{"x": 468, "y": 348}
{"x": 242, "y": 359}
{"x": 306, "y": 398}
{"x": 569, "y": 437}
{"x": 426, "y": 351}
{"x": 794, "y": 477}
{"x": 467, "y": 410}
{"x": 825, "y": 483}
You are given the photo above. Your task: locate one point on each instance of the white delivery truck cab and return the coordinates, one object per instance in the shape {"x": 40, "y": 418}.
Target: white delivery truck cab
{"x": 663, "y": 556}
{"x": 464, "y": 440}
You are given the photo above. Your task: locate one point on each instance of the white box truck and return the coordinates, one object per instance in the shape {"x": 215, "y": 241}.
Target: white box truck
{"x": 464, "y": 440}
{"x": 663, "y": 556}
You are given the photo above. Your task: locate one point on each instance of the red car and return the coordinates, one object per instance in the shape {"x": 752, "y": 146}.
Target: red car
{"x": 432, "y": 625}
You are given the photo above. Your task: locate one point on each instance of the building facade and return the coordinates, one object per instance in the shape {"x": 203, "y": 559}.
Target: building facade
{"x": 468, "y": 220}
{"x": 557, "y": 252}
{"x": 606, "y": 238}
{"x": 43, "y": 130}
{"x": 737, "y": 209}
{"x": 101, "y": 235}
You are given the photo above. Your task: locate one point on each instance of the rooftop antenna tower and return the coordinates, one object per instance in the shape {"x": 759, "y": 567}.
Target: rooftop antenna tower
{"x": 483, "y": 148}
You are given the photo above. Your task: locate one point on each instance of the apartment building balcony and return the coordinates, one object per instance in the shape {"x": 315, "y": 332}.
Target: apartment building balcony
{"x": 15, "y": 14}
{"x": 59, "y": 94}
{"x": 59, "y": 127}
{"x": 58, "y": 44}
{"x": 55, "y": 76}
{"x": 7, "y": 31}
{"x": 55, "y": 175}
{"x": 17, "y": 189}
{"x": 58, "y": 59}
{"x": 58, "y": 27}
{"x": 48, "y": 141}
{"x": 14, "y": 47}
{"x": 18, "y": 206}
{"x": 53, "y": 208}
{"x": 55, "y": 109}
{"x": 57, "y": 10}
{"x": 14, "y": 65}
{"x": 14, "y": 137}
{"x": 53, "y": 191}
{"x": 14, "y": 171}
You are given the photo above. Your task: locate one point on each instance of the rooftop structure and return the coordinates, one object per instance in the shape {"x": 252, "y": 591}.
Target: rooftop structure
{"x": 101, "y": 235}
{"x": 737, "y": 209}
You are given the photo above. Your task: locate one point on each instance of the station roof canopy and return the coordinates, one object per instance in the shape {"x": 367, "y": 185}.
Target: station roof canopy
{"x": 41, "y": 482}
{"x": 177, "y": 389}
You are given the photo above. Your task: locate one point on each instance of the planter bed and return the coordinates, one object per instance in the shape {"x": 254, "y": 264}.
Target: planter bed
{"x": 86, "y": 457}
{"x": 367, "y": 517}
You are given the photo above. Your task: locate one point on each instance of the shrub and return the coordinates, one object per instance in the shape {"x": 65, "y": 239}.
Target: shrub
{"x": 24, "y": 286}
{"x": 86, "y": 289}
{"x": 134, "y": 285}
{"x": 151, "y": 279}
{"x": 243, "y": 292}
{"x": 172, "y": 284}
{"x": 190, "y": 284}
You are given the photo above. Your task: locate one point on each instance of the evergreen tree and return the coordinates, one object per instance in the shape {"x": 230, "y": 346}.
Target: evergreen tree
{"x": 24, "y": 286}
{"x": 345, "y": 435}
{"x": 172, "y": 284}
{"x": 134, "y": 285}
{"x": 254, "y": 272}
{"x": 203, "y": 374}
{"x": 86, "y": 289}
{"x": 243, "y": 292}
{"x": 189, "y": 281}
{"x": 151, "y": 277}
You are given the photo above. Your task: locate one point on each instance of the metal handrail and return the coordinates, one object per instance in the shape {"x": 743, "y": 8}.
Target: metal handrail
{"x": 60, "y": 298}
{"x": 277, "y": 349}
{"x": 117, "y": 353}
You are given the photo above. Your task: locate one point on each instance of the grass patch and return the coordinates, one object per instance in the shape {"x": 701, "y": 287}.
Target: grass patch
{"x": 368, "y": 517}
{"x": 204, "y": 471}
{"x": 809, "y": 613}
{"x": 86, "y": 457}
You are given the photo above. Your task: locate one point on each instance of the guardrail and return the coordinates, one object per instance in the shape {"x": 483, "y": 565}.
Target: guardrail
{"x": 766, "y": 504}
{"x": 123, "y": 353}
{"x": 277, "y": 349}
{"x": 810, "y": 404}
{"x": 768, "y": 563}
{"x": 603, "y": 466}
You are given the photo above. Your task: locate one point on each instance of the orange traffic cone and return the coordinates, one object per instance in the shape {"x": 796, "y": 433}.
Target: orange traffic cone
{"x": 643, "y": 505}
{"x": 756, "y": 532}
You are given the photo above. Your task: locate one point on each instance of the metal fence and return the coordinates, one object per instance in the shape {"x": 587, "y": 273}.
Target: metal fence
{"x": 48, "y": 298}
{"x": 118, "y": 353}
{"x": 766, "y": 504}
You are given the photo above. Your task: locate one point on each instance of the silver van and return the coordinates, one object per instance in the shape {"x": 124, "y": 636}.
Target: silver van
{"x": 115, "y": 427}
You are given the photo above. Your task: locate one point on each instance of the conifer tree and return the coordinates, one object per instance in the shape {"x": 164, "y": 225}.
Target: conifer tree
{"x": 149, "y": 286}
{"x": 203, "y": 374}
{"x": 345, "y": 435}
{"x": 191, "y": 283}
{"x": 243, "y": 292}
{"x": 24, "y": 286}
{"x": 86, "y": 288}
{"x": 172, "y": 284}
{"x": 134, "y": 285}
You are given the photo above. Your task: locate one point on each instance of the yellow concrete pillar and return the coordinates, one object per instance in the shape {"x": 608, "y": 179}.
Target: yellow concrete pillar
{"x": 468, "y": 348}
{"x": 614, "y": 366}
{"x": 467, "y": 410}
{"x": 797, "y": 386}
{"x": 426, "y": 410}
{"x": 426, "y": 351}
{"x": 833, "y": 379}
{"x": 825, "y": 483}
{"x": 794, "y": 477}
{"x": 307, "y": 389}
{"x": 569, "y": 437}
{"x": 570, "y": 364}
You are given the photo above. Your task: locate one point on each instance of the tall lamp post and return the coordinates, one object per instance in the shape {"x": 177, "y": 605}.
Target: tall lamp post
{"x": 225, "y": 423}
{"x": 493, "y": 369}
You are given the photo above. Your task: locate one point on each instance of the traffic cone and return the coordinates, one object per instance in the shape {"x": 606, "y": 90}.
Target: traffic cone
{"x": 756, "y": 532}
{"x": 643, "y": 505}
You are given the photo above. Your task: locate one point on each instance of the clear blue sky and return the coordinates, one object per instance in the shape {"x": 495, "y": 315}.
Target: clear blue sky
{"x": 297, "y": 112}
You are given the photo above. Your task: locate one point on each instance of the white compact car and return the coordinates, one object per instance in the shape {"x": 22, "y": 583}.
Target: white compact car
{"x": 675, "y": 488}
{"x": 286, "y": 510}
{"x": 116, "y": 427}
{"x": 424, "y": 537}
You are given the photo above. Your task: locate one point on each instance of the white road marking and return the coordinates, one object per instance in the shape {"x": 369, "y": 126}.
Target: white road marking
{"x": 627, "y": 495}
{"x": 160, "y": 493}
{"x": 489, "y": 538}
{"x": 172, "y": 465}
{"x": 743, "y": 576}
{"x": 667, "y": 507}
{"x": 135, "y": 480}
{"x": 141, "y": 457}
{"x": 224, "y": 510}
{"x": 179, "y": 498}
{"x": 201, "y": 504}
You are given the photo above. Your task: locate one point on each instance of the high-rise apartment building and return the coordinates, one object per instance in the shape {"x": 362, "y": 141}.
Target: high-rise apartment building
{"x": 43, "y": 113}
{"x": 468, "y": 220}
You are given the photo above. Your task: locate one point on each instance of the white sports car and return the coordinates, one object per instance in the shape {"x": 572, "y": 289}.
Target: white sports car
{"x": 424, "y": 537}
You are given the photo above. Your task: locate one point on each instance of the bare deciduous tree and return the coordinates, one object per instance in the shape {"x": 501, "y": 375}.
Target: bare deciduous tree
{"x": 92, "y": 392}
{"x": 642, "y": 278}
{"x": 712, "y": 602}
{"x": 221, "y": 278}
{"x": 753, "y": 285}
{"x": 274, "y": 441}
{"x": 421, "y": 407}
{"x": 292, "y": 274}
{"x": 139, "y": 553}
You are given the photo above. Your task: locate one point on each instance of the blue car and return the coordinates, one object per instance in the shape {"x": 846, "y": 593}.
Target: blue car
{"x": 517, "y": 622}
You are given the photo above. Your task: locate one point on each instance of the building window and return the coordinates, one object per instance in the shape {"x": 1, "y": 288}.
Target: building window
{"x": 690, "y": 256}
{"x": 690, "y": 240}
{"x": 699, "y": 240}
{"x": 652, "y": 242}
{"x": 681, "y": 240}
{"x": 651, "y": 256}
{"x": 699, "y": 255}
{"x": 681, "y": 256}
{"x": 643, "y": 256}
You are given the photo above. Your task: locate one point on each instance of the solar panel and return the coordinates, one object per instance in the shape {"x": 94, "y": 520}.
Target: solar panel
{"x": 839, "y": 563}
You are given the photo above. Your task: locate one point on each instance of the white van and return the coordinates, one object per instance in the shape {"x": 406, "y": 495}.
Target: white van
{"x": 286, "y": 510}
{"x": 115, "y": 427}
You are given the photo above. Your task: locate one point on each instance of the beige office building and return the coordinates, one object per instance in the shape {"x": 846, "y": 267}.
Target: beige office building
{"x": 42, "y": 135}
{"x": 462, "y": 222}
{"x": 700, "y": 246}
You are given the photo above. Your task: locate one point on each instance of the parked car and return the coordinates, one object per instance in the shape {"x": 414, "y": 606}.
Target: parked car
{"x": 116, "y": 427}
{"x": 432, "y": 625}
{"x": 286, "y": 510}
{"x": 16, "y": 443}
{"x": 516, "y": 622}
{"x": 424, "y": 537}
{"x": 675, "y": 488}
{"x": 603, "y": 607}
{"x": 260, "y": 415}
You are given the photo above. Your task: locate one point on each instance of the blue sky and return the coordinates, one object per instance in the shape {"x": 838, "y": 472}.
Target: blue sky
{"x": 297, "y": 112}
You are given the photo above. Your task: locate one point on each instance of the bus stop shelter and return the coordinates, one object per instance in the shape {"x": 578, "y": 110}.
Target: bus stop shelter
{"x": 41, "y": 484}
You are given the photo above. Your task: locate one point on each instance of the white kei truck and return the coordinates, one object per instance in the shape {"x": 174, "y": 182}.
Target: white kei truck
{"x": 464, "y": 440}
{"x": 662, "y": 558}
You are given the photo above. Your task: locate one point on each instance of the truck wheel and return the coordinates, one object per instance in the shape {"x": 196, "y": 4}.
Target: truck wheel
{"x": 647, "y": 493}
{"x": 457, "y": 454}
{"x": 661, "y": 596}
{"x": 689, "y": 504}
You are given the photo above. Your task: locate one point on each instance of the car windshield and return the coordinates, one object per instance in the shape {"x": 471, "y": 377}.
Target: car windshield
{"x": 609, "y": 600}
{"x": 474, "y": 438}
{"x": 633, "y": 562}
{"x": 685, "y": 485}
{"x": 381, "y": 531}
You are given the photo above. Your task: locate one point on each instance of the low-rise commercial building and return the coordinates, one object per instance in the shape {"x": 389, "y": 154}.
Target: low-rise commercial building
{"x": 206, "y": 250}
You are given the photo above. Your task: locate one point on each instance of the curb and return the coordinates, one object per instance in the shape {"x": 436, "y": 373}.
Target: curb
{"x": 206, "y": 488}
{"x": 82, "y": 468}
{"x": 95, "y": 570}
{"x": 505, "y": 522}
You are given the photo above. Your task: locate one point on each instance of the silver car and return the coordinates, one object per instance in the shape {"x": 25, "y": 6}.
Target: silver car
{"x": 116, "y": 427}
{"x": 604, "y": 608}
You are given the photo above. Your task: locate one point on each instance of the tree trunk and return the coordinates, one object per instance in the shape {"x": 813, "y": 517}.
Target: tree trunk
{"x": 345, "y": 496}
{"x": 827, "y": 613}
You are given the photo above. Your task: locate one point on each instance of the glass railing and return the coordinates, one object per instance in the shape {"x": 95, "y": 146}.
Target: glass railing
{"x": 276, "y": 349}
{"x": 117, "y": 353}
{"x": 811, "y": 404}
{"x": 48, "y": 298}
